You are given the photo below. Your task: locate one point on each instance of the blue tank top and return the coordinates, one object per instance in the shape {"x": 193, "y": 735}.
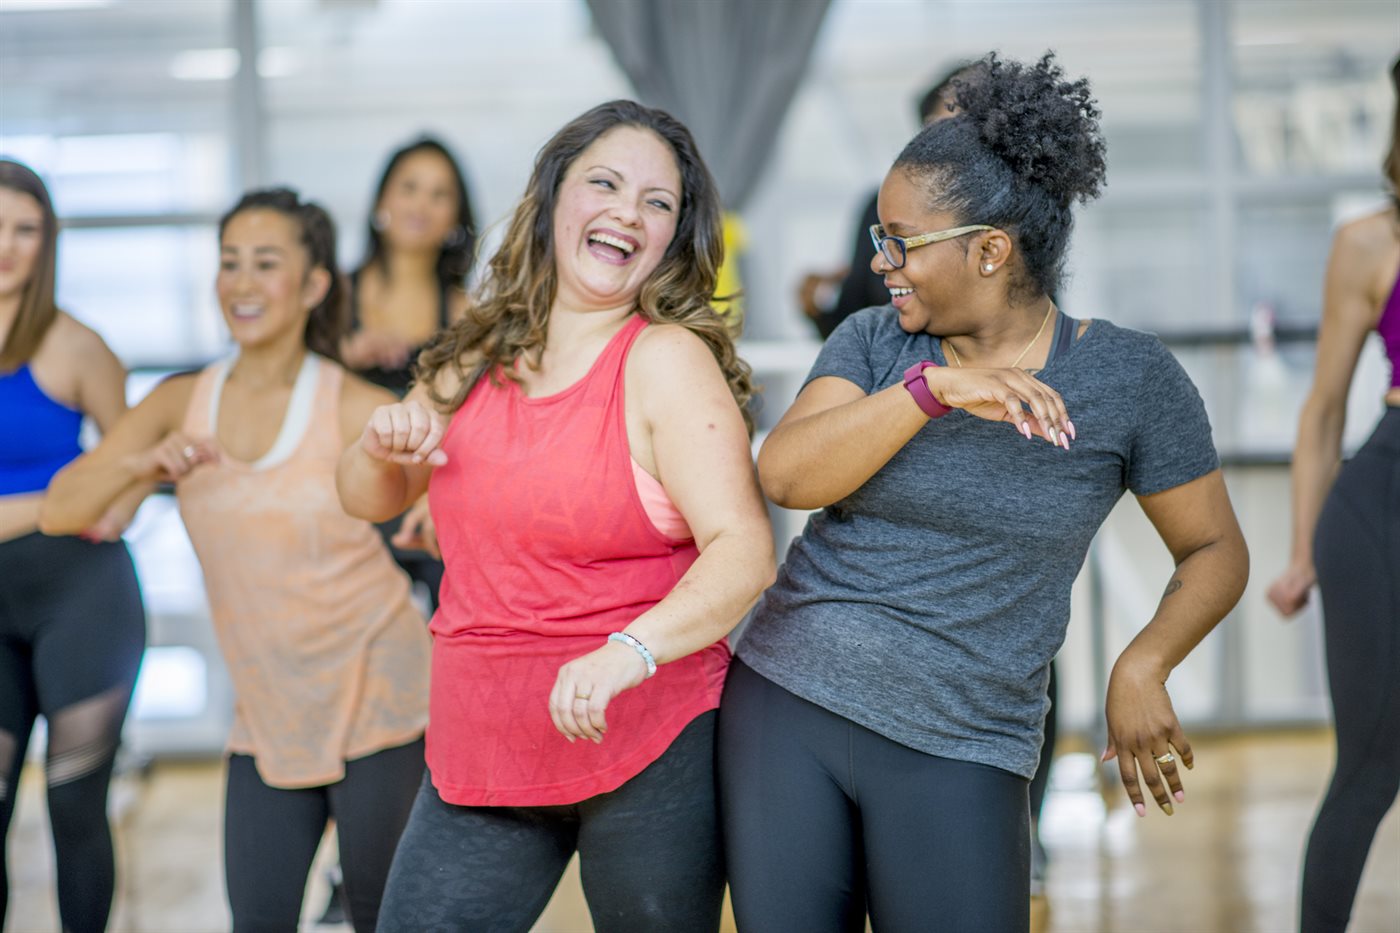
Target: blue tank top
{"x": 38, "y": 436}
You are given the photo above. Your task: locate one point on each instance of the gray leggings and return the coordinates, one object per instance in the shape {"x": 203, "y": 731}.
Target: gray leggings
{"x": 824, "y": 820}
{"x": 649, "y": 854}
{"x": 1357, "y": 549}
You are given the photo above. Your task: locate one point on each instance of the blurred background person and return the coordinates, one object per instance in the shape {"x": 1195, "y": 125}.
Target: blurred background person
{"x": 329, "y": 658}
{"x": 72, "y": 627}
{"x": 828, "y": 298}
{"x": 412, "y": 283}
{"x": 1346, "y": 540}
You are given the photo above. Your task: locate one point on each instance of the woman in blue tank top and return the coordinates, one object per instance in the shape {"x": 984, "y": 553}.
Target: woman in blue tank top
{"x": 72, "y": 627}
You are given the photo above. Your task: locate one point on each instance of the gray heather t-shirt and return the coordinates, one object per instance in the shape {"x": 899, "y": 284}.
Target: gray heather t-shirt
{"x": 927, "y": 604}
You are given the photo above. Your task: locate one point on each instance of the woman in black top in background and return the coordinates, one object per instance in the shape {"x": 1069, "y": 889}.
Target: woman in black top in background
{"x": 422, "y": 242}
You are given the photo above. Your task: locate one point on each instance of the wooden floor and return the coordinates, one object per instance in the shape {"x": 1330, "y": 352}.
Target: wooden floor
{"x": 1227, "y": 861}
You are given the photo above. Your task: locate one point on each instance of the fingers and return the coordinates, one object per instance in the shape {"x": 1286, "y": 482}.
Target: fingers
{"x": 177, "y": 454}
{"x": 405, "y": 432}
{"x": 576, "y": 709}
{"x": 1158, "y": 766}
{"x": 1127, "y": 773}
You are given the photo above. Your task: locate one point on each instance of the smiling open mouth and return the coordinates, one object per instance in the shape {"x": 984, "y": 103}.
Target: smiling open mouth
{"x": 611, "y": 248}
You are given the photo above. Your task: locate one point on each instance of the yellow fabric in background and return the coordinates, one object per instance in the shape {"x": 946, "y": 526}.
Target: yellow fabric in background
{"x": 728, "y": 284}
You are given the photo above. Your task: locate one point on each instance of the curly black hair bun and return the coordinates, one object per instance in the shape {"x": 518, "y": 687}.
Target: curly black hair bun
{"x": 1045, "y": 128}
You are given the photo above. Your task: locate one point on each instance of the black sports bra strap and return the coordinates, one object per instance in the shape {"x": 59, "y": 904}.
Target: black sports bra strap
{"x": 1066, "y": 330}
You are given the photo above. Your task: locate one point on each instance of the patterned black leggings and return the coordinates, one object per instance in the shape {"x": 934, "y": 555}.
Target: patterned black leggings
{"x": 649, "y": 854}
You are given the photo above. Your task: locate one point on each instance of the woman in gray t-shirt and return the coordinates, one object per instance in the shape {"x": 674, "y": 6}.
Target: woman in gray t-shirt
{"x": 964, "y": 444}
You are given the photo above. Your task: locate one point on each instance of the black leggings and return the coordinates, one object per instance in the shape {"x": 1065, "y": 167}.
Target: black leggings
{"x": 72, "y": 630}
{"x": 649, "y": 854}
{"x": 1357, "y": 552}
{"x": 824, "y": 820}
{"x": 271, "y": 835}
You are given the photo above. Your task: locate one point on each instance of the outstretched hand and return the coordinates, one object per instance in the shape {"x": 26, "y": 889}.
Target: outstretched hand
{"x": 407, "y": 433}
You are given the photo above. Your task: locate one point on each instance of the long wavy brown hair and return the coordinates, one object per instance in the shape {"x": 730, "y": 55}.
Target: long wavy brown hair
{"x": 508, "y": 317}
{"x": 36, "y": 305}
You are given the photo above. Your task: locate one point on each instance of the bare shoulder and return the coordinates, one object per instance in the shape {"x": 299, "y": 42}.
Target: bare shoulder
{"x": 75, "y": 340}
{"x": 1376, "y": 233}
{"x": 665, "y": 351}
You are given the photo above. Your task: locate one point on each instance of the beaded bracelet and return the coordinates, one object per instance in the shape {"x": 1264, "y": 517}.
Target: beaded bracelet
{"x": 623, "y": 638}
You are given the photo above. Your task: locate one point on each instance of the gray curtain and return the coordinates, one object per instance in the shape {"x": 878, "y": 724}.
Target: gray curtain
{"x": 725, "y": 68}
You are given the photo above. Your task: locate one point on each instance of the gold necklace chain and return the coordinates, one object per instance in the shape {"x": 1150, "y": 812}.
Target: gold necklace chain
{"x": 1022, "y": 355}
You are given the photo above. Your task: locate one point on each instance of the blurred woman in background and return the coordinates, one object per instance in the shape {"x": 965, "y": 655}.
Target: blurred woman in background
{"x": 328, "y": 657}
{"x": 422, "y": 242}
{"x": 72, "y": 627}
{"x": 1346, "y": 539}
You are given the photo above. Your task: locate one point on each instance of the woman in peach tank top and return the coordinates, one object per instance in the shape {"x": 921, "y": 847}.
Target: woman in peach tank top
{"x": 582, "y": 439}
{"x": 328, "y": 657}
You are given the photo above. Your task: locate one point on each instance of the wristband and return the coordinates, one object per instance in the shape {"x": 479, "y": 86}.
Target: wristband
{"x": 914, "y": 382}
{"x": 623, "y": 638}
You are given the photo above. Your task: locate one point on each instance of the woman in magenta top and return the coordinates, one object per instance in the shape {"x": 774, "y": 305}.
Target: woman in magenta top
{"x": 1346, "y": 539}
{"x": 582, "y": 437}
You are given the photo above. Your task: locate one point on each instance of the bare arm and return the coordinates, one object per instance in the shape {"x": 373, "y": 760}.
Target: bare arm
{"x": 1198, "y": 526}
{"x": 704, "y": 462}
{"x": 102, "y": 396}
{"x": 143, "y": 447}
{"x": 852, "y": 435}
{"x": 388, "y": 468}
{"x": 1348, "y": 313}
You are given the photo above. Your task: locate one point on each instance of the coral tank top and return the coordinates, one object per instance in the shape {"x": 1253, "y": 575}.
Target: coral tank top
{"x": 548, "y": 548}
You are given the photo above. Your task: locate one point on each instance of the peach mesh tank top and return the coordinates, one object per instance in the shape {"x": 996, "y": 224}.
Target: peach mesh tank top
{"x": 329, "y": 658}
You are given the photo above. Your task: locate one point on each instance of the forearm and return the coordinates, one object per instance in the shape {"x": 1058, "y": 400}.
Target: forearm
{"x": 1206, "y": 585}
{"x": 1316, "y": 458}
{"x": 374, "y": 490}
{"x": 825, "y": 457}
{"x": 723, "y": 583}
{"x": 84, "y": 490}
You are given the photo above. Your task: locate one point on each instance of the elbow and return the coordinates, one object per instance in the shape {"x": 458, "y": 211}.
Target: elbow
{"x": 784, "y": 487}
{"x": 53, "y": 520}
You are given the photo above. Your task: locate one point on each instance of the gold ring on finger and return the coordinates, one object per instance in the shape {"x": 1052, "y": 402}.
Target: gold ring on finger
{"x": 582, "y": 696}
{"x": 1165, "y": 759}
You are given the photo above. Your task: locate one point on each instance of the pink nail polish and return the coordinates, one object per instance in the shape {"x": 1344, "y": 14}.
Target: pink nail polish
{"x": 1180, "y": 796}
{"x": 1072, "y": 433}
{"x": 1141, "y": 810}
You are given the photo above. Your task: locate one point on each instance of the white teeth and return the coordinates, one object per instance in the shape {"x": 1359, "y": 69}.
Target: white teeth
{"x": 900, "y": 292}
{"x": 612, "y": 241}
{"x": 247, "y": 310}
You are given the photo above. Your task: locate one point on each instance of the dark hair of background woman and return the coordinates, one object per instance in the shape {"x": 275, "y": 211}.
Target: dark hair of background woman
{"x": 509, "y": 317}
{"x": 459, "y": 252}
{"x": 1023, "y": 148}
{"x": 329, "y": 320}
{"x": 37, "y": 309}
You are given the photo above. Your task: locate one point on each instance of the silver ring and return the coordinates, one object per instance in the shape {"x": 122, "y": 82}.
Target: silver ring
{"x": 188, "y": 452}
{"x": 1165, "y": 759}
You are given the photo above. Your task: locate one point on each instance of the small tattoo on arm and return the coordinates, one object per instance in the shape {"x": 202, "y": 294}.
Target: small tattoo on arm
{"x": 1172, "y": 587}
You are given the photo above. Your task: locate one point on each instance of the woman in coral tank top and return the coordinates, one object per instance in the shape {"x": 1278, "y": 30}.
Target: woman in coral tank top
{"x": 581, "y": 434}
{"x": 327, "y": 655}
